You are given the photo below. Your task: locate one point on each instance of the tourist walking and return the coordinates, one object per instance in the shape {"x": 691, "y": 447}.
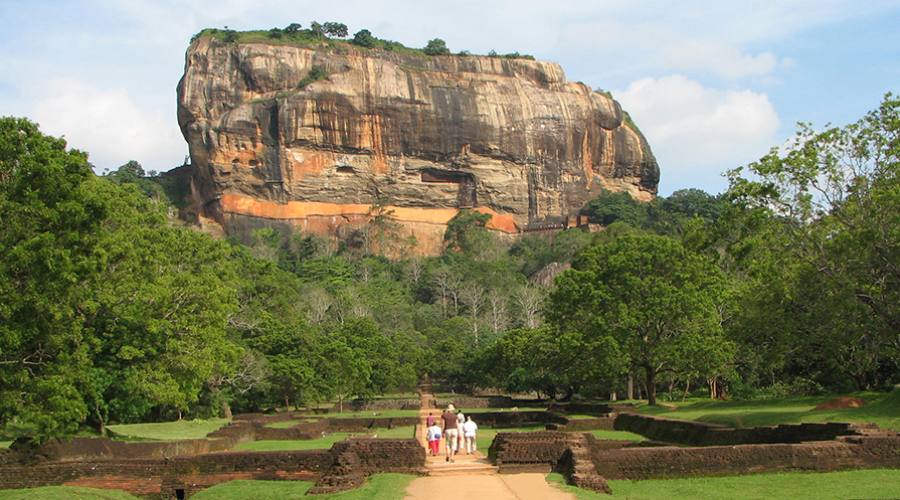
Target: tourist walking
{"x": 469, "y": 430}
{"x": 460, "y": 420}
{"x": 451, "y": 435}
{"x": 429, "y": 421}
{"x": 434, "y": 439}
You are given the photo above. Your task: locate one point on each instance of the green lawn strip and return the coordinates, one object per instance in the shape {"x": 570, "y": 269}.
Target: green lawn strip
{"x": 378, "y": 487}
{"x": 286, "y": 424}
{"x": 403, "y": 432}
{"x": 557, "y": 480}
{"x": 881, "y": 409}
{"x": 5, "y": 444}
{"x": 169, "y": 431}
{"x": 321, "y": 443}
{"x": 324, "y": 442}
{"x": 580, "y": 417}
{"x": 617, "y": 435}
{"x": 877, "y": 483}
{"x": 57, "y": 492}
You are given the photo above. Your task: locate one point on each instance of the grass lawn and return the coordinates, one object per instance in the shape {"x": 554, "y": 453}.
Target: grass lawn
{"x": 5, "y": 444}
{"x": 170, "y": 431}
{"x": 882, "y": 409}
{"x": 285, "y": 424}
{"x": 404, "y": 432}
{"x": 323, "y": 442}
{"x": 876, "y": 483}
{"x": 617, "y": 435}
{"x": 56, "y": 492}
{"x": 378, "y": 487}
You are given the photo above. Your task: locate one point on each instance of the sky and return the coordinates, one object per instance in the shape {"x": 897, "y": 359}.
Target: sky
{"x": 712, "y": 84}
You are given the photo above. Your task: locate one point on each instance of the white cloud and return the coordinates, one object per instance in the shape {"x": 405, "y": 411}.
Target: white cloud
{"x": 721, "y": 59}
{"x": 110, "y": 125}
{"x": 697, "y": 132}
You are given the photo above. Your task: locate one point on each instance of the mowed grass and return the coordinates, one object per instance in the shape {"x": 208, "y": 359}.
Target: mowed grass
{"x": 323, "y": 442}
{"x": 5, "y": 444}
{"x": 378, "y": 487}
{"x": 617, "y": 435}
{"x": 57, "y": 492}
{"x": 170, "y": 431}
{"x": 870, "y": 484}
{"x": 286, "y": 424}
{"x": 882, "y": 409}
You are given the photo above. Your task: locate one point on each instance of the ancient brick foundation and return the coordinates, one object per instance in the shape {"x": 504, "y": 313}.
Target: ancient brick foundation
{"x": 703, "y": 434}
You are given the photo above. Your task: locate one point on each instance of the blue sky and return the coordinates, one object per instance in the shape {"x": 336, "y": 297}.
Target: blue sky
{"x": 713, "y": 85}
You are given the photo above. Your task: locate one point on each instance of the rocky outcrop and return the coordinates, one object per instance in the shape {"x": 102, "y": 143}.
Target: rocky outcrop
{"x": 397, "y": 142}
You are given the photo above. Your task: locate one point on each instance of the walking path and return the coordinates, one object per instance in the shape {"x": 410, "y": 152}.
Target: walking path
{"x": 472, "y": 476}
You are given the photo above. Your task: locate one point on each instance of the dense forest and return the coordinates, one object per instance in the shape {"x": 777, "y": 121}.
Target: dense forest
{"x": 111, "y": 310}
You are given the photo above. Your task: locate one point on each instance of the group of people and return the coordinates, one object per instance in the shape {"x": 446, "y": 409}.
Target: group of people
{"x": 457, "y": 430}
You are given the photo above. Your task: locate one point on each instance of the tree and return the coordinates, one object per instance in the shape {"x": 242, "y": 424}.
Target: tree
{"x": 619, "y": 206}
{"x": 364, "y": 38}
{"x": 335, "y": 29}
{"x": 834, "y": 196}
{"x": 316, "y": 29}
{"x": 292, "y": 28}
{"x": 436, "y": 47}
{"x": 647, "y": 294}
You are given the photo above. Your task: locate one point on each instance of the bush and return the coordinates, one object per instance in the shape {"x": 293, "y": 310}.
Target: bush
{"x": 436, "y": 47}
{"x": 315, "y": 74}
{"x": 230, "y": 36}
{"x": 275, "y": 33}
{"x": 364, "y": 38}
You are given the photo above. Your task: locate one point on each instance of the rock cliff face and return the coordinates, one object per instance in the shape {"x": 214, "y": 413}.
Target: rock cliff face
{"x": 408, "y": 137}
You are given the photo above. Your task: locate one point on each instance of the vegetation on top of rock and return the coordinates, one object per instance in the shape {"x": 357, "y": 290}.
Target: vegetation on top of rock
{"x": 333, "y": 34}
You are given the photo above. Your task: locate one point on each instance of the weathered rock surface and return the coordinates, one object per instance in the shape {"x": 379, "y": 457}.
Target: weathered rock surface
{"x": 417, "y": 137}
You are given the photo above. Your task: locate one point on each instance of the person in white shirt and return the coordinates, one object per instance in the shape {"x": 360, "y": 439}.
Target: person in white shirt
{"x": 469, "y": 429}
{"x": 434, "y": 439}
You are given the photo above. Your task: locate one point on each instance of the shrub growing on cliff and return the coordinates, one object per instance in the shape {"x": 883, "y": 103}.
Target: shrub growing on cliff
{"x": 436, "y": 47}
{"x": 292, "y": 28}
{"x": 364, "y": 38}
{"x": 315, "y": 74}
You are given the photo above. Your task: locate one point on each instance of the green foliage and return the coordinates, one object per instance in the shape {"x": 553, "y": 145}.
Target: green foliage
{"x": 338, "y": 30}
{"x": 650, "y": 297}
{"x": 364, "y": 38}
{"x": 315, "y": 74}
{"x": 619, "y": 206}
{"x": 436, "y": 47}
{"x": 466, "y": 233}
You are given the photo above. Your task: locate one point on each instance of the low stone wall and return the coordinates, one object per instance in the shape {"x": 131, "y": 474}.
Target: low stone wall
{"x": 380, "y": 405}
{"x": 703, "y": 434}
{"x": 534, "y": 451}
{"x": 823, "y": 456}
{"x": 585, "y": 424}
{"x": 165, "y": 476}
{"x": 80, "y": 449}
{"x": 596, "y": 409}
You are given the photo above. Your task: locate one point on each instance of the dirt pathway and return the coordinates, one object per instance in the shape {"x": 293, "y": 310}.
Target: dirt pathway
{"x": 472, "y": 476}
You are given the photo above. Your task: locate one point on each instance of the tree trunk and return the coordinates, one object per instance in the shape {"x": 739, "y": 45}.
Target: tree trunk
{"x": 179, "y": 414}
{"x": 613, "y": 396}
{"x": 687, "y": 389}
{"x": 226, "y": 410}
{"x": 651, "y": 387}
{"x": 340, "y": 404}
{"x": 630, "y": 390}
{"x": 287, "y": 403}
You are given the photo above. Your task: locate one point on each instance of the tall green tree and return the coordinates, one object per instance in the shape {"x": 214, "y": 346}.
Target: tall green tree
{"x": 655, "y": 299}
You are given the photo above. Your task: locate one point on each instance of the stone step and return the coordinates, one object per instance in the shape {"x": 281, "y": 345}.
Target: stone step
{"x": 453, "y": 469}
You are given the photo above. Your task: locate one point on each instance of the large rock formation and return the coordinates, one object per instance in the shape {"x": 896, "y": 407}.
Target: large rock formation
{"x": 407, "y": 136}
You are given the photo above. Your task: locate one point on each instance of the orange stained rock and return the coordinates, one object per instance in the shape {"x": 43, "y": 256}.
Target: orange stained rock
{"x": 245, "y": 205}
